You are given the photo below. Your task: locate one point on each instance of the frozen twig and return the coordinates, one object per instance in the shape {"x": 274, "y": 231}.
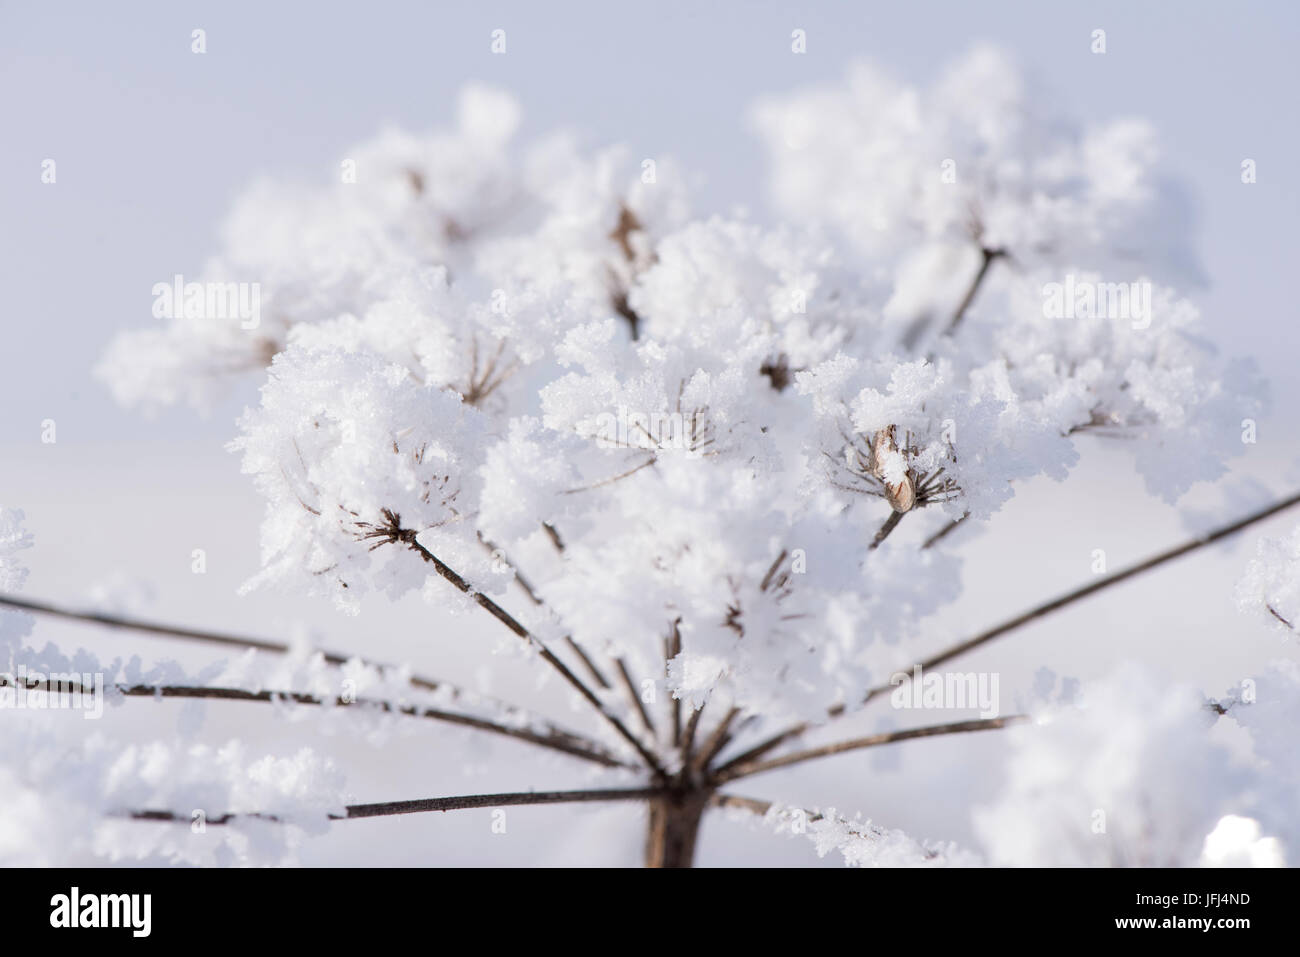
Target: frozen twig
{"x": 870, "y": 741}
{"x": 409, "y": 538}
{"x": 420, "y": 805}
{"x": 550, "y": 737}
{"x": 987, "y": 256}
{"x": 751, "y": 756}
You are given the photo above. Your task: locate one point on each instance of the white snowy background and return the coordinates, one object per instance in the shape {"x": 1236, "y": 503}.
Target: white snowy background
{"x": 153, "y": 143}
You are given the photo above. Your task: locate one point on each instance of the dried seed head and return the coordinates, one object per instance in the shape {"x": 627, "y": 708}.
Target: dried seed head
{"x": 901, "y": 497}
{"x": 890, "y": 466}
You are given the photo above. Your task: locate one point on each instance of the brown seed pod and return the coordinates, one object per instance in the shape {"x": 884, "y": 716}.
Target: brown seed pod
{"x": 901, "y": 496}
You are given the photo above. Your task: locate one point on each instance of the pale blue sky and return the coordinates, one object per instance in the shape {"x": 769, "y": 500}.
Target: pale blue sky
{"x": 152, "y": 141}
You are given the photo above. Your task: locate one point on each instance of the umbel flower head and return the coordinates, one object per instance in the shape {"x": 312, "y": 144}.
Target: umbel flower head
{"x": 708, "y": 456}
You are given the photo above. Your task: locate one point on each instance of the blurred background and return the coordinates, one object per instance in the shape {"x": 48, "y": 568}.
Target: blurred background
{"x": 153, "y": 143}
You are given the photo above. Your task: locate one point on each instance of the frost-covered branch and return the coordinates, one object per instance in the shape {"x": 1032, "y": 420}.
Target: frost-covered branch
{"x": 156, "y": 628}
{"x": 1100, "y": 584}
{"x": 526, "y": 586}
{"x": 751, "y": 756}
{"x": 211, "y": 637}
{"x": 552, "y": 736}
{"x": 205, "y": 636}
{"x": 548, "y": 737}
{"x": 862, "y": 843}
{"x": 410, "y": 538}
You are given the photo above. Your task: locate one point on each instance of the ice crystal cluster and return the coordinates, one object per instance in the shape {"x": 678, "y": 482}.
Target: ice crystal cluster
{"x": 726, "y": 437}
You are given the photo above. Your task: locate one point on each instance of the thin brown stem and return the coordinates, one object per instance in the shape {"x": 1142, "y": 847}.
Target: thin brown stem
{"x": 409, "y": 537}
{"x": 550, "y": 737}
{"x": 596, "y": 674}
{"x": 630, "y": 687}
{"x": 672, "y": 648}
{"x": 890, "y": 524}
{"x": 149, "y": 627}
{"x": 986, "y": 260}
{"x": 944, "y": 532}
{"x": 744, "y": 803}
{"x": 1276, "y": 614}
{"x": 616, "y": 478}
{"x": 241, "y": 642}
{"x": 768, "y": 745}
{"x": 1106, "y": 581}
{"x": 715, "y": 743}
{"x": 420, "y": 805}
{"x": 688, "y": 734}
{"x": 871, "y": 741}
{"x": 537, "y": 600}
{"x": 553, "y": 534}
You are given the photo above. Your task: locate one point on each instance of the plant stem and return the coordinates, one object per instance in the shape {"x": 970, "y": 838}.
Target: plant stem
{"x": 496, "y": 611}
{"x": 890, "y": 524}
{"x": 420, "y": 805}
{"x": 717, "y": 740}
{"x": 769, "y": 744}
{"x": 674, "y": 827}
{"x": 537, "y": 600}
{"x": 630, "y": 687}
{"x": 945, "y": 531}
{"x": 1106, "y": 581}
{"x": 551, "y": 737}
{"x": 986, "y": 259}
{"x": 197, "y": 634}
{"x": 871, "y": 741}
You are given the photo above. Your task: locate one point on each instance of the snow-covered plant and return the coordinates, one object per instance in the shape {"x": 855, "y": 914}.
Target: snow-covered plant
{"x": 703, "y": 469}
